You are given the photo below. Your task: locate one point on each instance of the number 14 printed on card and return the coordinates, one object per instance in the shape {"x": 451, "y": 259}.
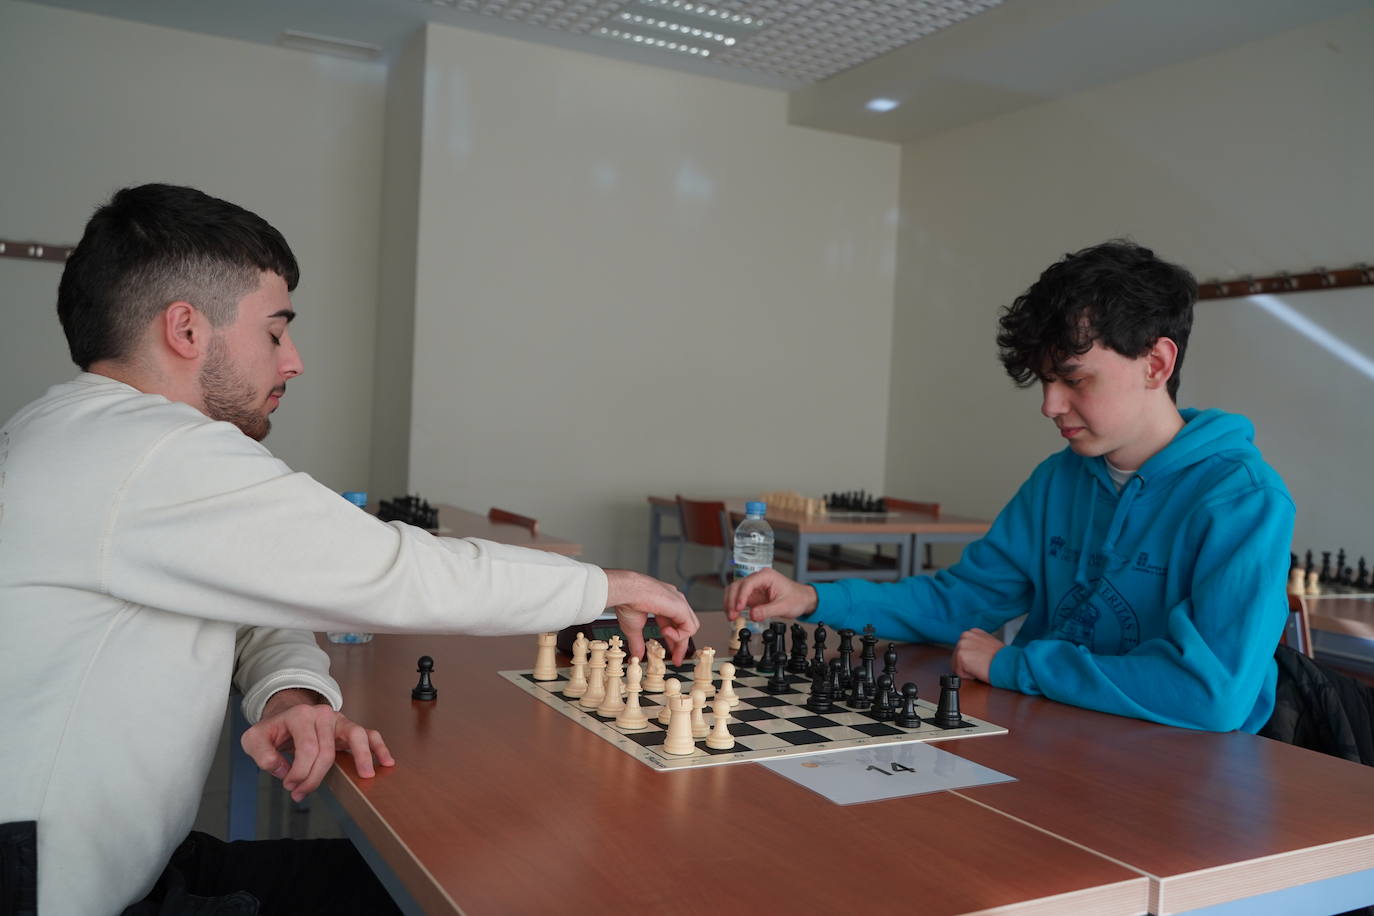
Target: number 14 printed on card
{"x": 872, "y": 774}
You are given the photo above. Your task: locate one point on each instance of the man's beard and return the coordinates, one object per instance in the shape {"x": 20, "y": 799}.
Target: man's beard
{"x": 228, "y": 396}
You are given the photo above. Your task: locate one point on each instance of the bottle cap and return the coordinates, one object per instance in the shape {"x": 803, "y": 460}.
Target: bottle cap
{"x": 357, "y": 498}
{"x": 755, "y": 507}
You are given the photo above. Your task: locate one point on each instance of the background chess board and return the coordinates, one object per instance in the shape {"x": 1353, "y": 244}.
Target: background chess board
{"x": 765, "y": 727}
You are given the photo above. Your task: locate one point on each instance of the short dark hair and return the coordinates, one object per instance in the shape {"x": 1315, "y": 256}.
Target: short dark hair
{"x": 1117, "y": 294}
{"x": 157, "y": 244}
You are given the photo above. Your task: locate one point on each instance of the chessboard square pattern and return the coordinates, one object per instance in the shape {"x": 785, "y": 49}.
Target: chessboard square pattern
{"x": 764, "y": 726}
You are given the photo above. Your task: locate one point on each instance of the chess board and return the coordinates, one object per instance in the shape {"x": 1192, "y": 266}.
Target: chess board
{"x": 765, "y": 726}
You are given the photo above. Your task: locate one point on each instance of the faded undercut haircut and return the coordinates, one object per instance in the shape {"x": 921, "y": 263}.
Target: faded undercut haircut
{"x": 157, "y": 244}
{"x": 1117, "y": 294}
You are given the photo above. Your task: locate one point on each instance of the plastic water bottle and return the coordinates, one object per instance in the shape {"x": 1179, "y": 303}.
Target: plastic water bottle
{"x": 359, "y": 499}
{"x": 753, "y": 541}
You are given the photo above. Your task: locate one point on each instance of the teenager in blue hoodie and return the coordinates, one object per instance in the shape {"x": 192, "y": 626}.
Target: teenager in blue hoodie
{"x": 1149, "y": 555}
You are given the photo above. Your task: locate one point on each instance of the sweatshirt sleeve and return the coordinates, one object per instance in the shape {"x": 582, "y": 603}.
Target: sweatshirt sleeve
{"x": 987, "y": 587}
{"x": 211, "y": 525}
{"x": 267, "y": 660}
{"x": 1209, "y": 669}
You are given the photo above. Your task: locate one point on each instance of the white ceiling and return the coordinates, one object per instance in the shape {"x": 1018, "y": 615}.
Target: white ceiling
{"x": 947, "y": 62}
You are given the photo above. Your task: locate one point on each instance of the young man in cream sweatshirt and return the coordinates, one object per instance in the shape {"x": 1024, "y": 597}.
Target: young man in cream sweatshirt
{"x": 152, "y": 551}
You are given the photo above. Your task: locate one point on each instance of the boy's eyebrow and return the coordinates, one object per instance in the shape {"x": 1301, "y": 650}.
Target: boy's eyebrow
{"x": 288, "y": 314}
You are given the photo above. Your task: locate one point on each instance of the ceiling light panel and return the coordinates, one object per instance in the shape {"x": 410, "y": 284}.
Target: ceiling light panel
{"x": 803, "y": 40}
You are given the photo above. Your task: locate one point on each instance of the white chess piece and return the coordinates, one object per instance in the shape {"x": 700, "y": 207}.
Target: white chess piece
{"x": 596, "y": 677}
{"x": 577, "y": 682}
{"x": 727, "y": 685}
{"x": 1296, "y": 581}
{"x": 1314, "y": 585}
{"x": 632, "y": 717}
{"x": 720, "y": 738}
{"x": 546, "y": 659}
{"x": 704, "y": 674}
{"x": 614, "y": 700}
{"x": 735, "y": 626}
{"x": 653, "y": 680}
{"x": 699, "y": 727}
{"x": 671, "y": 691}
{"x": 679, "y": 742}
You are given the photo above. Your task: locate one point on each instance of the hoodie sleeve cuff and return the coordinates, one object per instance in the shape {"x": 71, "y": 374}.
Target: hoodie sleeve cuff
{"x": 832, "y": 604}
{"x": 1006, "y": 667}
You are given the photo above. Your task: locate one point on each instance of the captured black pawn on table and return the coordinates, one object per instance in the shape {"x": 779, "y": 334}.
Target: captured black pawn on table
{"x": 424, "y": 690}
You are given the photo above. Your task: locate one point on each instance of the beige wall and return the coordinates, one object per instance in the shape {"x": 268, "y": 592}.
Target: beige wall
{"x": 633, "y": 281}
{"x": 1250, "y": 161}
{"x": 95, "y": 104}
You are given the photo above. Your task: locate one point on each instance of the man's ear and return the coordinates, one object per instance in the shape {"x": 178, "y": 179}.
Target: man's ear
{"x": 184, "y": 330}
{"x": 1159, "y": 362}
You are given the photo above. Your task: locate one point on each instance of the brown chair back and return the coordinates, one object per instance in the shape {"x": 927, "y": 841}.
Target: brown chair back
{"x": 1298, "y": 622}
{"x": 502, "y": 517}
{"x": 704, "y": 522}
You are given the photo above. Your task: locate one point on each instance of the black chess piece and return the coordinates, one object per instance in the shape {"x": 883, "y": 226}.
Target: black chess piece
{"x": 424, "y": 690}
{"x": 1325, "y": 574}
{"x": 818, "y": 660}
{"x": 869, "y": 657}
{"x": 882, "y": 700}
{"x": 836, "y": 688}
{"x": 744, "y": 658}
{"x": 1340, "y": 562}
{"x": 858, "y": 696}
{"x": 1347, "y": 577}
{"x": 821, "y": 699}
{"x": 890, "y": 664}
{"x": 1307, "y": 566}
{"x": 947, "y": 712}
{"x": 847, "y": 658}
{"x": 779, "y": 643}
{"x": 798, "y": 663}
{"x": 1362, "y": 580}
{"x": 908, "y": 717}
{"x": 765, "y": 663}
{"x": 778, "y": 683}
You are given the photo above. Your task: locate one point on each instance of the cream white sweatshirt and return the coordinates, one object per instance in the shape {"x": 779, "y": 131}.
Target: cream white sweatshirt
{"x": 147, "y": 556}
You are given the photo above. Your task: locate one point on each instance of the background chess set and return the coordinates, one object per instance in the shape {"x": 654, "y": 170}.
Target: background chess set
{"x": 764, "y": 726}
{"x": 1339, "y": 579}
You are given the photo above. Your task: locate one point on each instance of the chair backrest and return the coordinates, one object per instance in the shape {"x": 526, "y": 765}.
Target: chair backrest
{"x": 1298, "y": 622}
{"x": 704, "y": 522}
{"x": 905, "y": 505}
{"x": 502, "y": 517}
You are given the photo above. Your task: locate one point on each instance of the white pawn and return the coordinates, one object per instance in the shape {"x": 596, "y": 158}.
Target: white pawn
{"x": 577, "y": 683}
{"x": 1296, "y": 581}
{"x": 632, "y": 717}
{"x": 546, "y": 659}
{"x": 614, "y": 701}
{"x": 672, "y": 690}
{"x": 699, "y": 727}
{"x": 720, "y": 738}
{"x": 653, "y": 681}
{"x": 679, "y": 742}
{"x": 727, "y": 685}
{"x": 1314, "y": 584}
{"x": 596, "y": 677}
{"x": 704, "y": 674}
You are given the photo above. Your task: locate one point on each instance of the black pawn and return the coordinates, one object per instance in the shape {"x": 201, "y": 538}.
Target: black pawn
{"x": 882, "y": 700}
{"x": 836, "y": 688}
{"x": 424, "y": 690}
{"x": 778, "y": 682}
{"x": 908, "y": 717}
{"x": 765, "y": 664}
{"x": 798, "y": 663}
{"x": 744, "y": 658}
{"x": 821, "y": 699}
{"x": 818, "y": 660}
{"x": 858, "y": 697}
{"x": 947, "y": 712}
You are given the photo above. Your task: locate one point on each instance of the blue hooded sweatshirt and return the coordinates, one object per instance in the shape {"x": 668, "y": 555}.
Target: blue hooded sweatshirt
{"x": 1164, "y": 601}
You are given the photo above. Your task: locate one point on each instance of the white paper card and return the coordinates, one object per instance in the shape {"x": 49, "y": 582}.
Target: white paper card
{"x": 865, "y": 774}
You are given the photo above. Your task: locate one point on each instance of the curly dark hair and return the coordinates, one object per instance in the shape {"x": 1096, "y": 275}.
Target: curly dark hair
{"x": 1117, "y": 294}
{"x": 157, "y": 244}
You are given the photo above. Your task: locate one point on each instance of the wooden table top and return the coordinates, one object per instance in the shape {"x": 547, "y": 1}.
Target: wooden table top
{"x": 460, "y": 523}
{"x": 854, "y": 523}
{"x": 498, "y": 804}
{"x": 1346, "y": 614}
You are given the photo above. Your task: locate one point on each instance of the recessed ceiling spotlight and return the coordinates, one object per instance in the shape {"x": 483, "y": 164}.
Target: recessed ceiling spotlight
{"x": 881, "y": 104}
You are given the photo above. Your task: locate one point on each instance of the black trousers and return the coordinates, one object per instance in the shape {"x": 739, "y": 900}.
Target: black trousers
{"x": 209, "y": 877}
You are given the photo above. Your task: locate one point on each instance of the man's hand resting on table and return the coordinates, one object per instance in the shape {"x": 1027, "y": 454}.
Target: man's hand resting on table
{"x": 298, "y": 723}
{"x": 973, "y": 655}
